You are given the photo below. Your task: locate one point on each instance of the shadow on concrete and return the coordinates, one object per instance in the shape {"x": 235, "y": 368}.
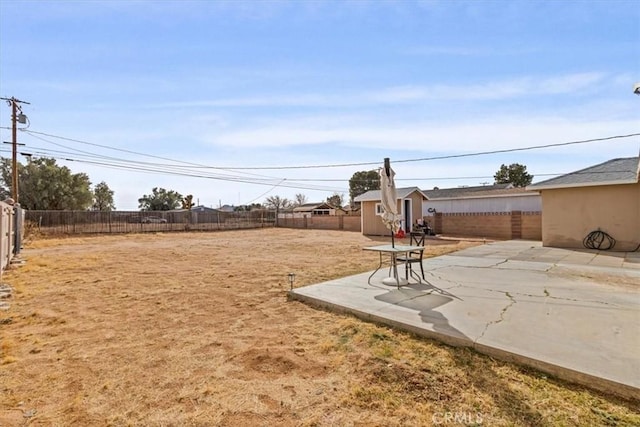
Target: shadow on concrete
{"x": 424, "y": 299}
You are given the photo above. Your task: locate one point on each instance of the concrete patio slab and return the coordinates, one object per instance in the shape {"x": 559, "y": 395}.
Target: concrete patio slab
{"x": 552, "y": 309}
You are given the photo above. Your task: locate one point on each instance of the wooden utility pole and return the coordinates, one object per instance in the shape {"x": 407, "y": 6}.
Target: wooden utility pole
{"x": 14, "y": 150}
{"x": 13, "y": 102}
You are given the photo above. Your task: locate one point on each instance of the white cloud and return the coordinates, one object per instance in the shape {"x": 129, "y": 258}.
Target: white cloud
{"x": 469, "y": 135}
{"x": 521, "y": 87}
{"x": 448, "y": 50}
{"x": 512, "y": 88}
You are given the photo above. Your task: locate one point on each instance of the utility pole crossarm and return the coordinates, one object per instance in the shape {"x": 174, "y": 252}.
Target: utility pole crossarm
{"x": 12, "y": 99}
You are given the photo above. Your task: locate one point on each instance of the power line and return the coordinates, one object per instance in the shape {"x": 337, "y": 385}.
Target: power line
{"x": 510, "y": 150}
{"x": 451, "y": 156}
{"x": 338, "y": 165}
{"x": 178, "y": 168}
{"x": 291, "y": 181}
{"x": 266, "y": 192}
{"x": 190, "y": 164}
{"x": 144, "y": 169}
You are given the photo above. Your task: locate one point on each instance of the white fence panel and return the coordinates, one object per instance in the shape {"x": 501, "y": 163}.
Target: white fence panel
{"x": 7, "y": 234}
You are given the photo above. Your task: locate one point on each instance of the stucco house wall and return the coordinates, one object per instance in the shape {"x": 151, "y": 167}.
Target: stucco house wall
{"x": 569, "y": 214}
{"x": 603, "y": 197}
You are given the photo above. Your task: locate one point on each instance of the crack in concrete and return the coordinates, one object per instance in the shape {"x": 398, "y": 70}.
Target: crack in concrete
{"x": 502, "y": 313}
{"x": 438, "y": 277}
{"x": 499, "y": 263}
{"x": 546, "y": 295}
{"x": 470, "y": 266}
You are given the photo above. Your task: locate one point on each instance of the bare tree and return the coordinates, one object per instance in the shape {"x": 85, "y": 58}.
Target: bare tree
{"x": 277, "y": 202}
{"x": 300, "y": 199}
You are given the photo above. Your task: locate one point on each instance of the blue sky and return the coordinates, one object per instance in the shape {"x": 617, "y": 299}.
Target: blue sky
{"x": 219, "y": 90}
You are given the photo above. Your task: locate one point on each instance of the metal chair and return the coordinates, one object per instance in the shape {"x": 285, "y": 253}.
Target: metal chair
{"x": 414, "y": 257}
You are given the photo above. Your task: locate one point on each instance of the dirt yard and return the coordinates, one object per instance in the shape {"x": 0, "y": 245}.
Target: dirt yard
{"x": 195, "y": 329}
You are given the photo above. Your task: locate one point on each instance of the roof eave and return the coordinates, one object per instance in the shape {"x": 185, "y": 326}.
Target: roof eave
{"x": 360, "y": 199}
{"x": 581, "y": 184}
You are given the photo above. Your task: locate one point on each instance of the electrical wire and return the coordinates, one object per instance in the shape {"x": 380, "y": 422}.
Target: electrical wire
{"x": 244, "y": 180}
{"x": 338, "y": 165}
{"x": 54, "y": 153}
{"x": 172, "y": 169}
{"x": 451, "y": 156}
{"x": 162, "y": 165}
{"x": 179, "y": 169}
{"x": 190, "y": 164}
{"x": 265, "y": 193}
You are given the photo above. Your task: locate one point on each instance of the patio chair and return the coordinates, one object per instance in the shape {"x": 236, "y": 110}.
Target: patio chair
{"x": 414, "y": 257}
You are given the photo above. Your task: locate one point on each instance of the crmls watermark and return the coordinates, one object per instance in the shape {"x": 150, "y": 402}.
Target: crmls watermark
{"x": 449, "y": 418}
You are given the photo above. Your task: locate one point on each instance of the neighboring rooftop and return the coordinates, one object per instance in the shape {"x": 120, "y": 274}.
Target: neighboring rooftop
{"x": 611, "y": 172}
{"x": 374, "y": 195}
{"x": 308, "y": 207}
{"x": 476, "y": 191}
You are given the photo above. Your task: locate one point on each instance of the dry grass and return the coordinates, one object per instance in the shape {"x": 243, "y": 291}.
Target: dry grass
{"x": 195, "y": 329}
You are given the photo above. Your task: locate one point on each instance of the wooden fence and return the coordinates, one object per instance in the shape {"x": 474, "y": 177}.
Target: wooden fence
{"x": 81, "y": 222}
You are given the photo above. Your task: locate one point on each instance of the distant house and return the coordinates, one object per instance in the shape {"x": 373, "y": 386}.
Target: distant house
{"x": 352, "y": 209}
{"x": 204, "y": 214}
{"x": 480, "y": 199}
{"x": 203, "y": 209}
{"x": 312, "y": 209}
{"x": 409, "y": 204}
{"x": 602, "y": 197}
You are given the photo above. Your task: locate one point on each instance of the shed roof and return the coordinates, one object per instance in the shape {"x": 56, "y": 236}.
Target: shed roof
{"x": 612, "y": 172}
{"x": 374, "y": 195}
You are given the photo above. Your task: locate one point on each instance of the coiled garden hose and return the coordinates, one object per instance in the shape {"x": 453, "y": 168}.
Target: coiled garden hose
{"x": 599, "y": 240}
